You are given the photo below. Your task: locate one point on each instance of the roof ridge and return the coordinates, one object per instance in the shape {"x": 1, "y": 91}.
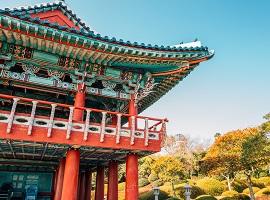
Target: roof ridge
{"x": 57, "y": 3}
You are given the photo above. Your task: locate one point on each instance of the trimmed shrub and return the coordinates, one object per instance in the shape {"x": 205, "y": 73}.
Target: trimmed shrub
{"x": 157, "y": 183}
{"x": 195, "y": 191}
{"x": 211, "y": 186}
{"x": 255, "y": 189}
{"x": 173, "y": 198}
{"x": 241, "y": 197}
{"x": 237, "y": 197}
{"x": 239, "y": 185}
{"x": 206, "y": 197}
{"x": 229, "y": 193}
{"x": 150, "y": 195}
{"x": 143, "y": 182}
{"x": 152, "y": 177}
{"x": 265, "y": 181}
{"x": 257, "y": 183}
{"x": 264, "y": 191}
{"x": 226, "y": 198}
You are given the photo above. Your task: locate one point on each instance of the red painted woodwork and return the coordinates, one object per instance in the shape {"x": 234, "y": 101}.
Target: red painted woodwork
{"x": 79, "y": 101}
{"x": 71, "y": 175}
{"x": 39, "y": 134}
{"x": 88, "y": 185}
{"x": 60, "y": 178}
{"x": 56, "y": 16}
{"x": 99, "y": 193}
{"x": 132, "y": 189}
{"x": 113, "y": 181}
{"x": 82, "y": 186}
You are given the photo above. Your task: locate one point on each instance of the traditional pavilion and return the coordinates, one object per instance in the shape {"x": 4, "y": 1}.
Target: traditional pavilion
{"x": 70, "y": 101}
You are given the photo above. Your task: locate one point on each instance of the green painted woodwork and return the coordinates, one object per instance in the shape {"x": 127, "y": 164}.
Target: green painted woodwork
{"x": 46, "y": 57}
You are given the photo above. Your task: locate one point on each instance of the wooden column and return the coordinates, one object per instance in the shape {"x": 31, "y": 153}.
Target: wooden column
{"x": 99, "y": 193}
{"x": 132, "y": 189}
{"x": 60, "y": 178}
{"x": 82, "y": 186}
{"x": 88, "y": 185}
{"x": 113, "y": 181}
{"x": 71, "y": 174}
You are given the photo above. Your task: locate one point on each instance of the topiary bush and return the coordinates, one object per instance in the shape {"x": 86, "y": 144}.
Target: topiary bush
{"x": 150, "y": 195}
{"x": 240, "y": 197}
{"x": 195, "y": 191}
{"x": 211, "y": 186}
{"x": 264, "y": 180}
{"x": 236, "y": 197}
{"x": 152, "y": 177}
{"x": 229, "y": 193}
{"x": 264, "y": 191}
{"x": 255, "y": 189}
{"x": 257, "y": 183}
{"x": 143, "y": 182}
{"x": 206, "y": 197}
{"x": 239, "y": 185}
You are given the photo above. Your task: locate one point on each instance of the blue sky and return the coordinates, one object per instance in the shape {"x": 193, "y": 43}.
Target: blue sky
{"x": 228, "y": 92}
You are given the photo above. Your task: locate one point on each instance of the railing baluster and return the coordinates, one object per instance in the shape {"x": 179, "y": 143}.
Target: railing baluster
{"x": 86, "y": 126}
{"x": 50, "y": 125}
{"x": 103, "y": 126}
{"x": 146, "y": 132}
{"x": 12, "y": 114}
{"x": 118, "y": 128}
{"x": 69, "y": 125}
{"x": 132, "y": 134}
{"x": 163, "y": 132}
{"x": 32, "y": 117}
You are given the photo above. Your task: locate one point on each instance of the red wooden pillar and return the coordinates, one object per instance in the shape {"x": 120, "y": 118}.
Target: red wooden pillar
{"x": 88, "y": 185}
{"x": 113, "y": 181}
{"x": 60, "y": 178}
{"x": 99, "y": 193}
{"x": 71, "y": 174}
{"x": 132, "y": 189}
{"x": 82, "y": 186}
{"x": 79, "y": 101}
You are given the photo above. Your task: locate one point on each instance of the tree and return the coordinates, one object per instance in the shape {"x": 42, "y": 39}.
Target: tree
{"x": 255, "y": 155}
{"x": 237, "y": 151}
{"x": 168, "y": 169}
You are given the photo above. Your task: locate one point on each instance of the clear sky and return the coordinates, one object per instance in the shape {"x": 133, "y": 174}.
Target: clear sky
{"x": 228, "y": 92}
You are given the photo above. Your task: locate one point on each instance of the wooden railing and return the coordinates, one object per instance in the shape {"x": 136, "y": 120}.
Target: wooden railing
{"x": 147, "y": 128}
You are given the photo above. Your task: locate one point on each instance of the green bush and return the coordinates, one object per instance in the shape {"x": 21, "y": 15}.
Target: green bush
{"x": 206, "y": 197}
{"x": 264, "y": 191}
{"x": 236, "y": 197}
{"x": 157, "y": 183}
{"x": 265, "y": 181}
{"x": 211, "y": 186}
{"x": 152, "y": 177}
{"x": 255, "y": 189}
{"x": 229, "y": 193}
{"x": 150, "y": 196}
{"x": 195, "y": 191}
{"x": 239, "y": 185}
{"x": 143, "y": 182}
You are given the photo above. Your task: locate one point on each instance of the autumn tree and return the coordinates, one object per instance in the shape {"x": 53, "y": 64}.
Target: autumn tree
{"x": 168, "y": 169}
